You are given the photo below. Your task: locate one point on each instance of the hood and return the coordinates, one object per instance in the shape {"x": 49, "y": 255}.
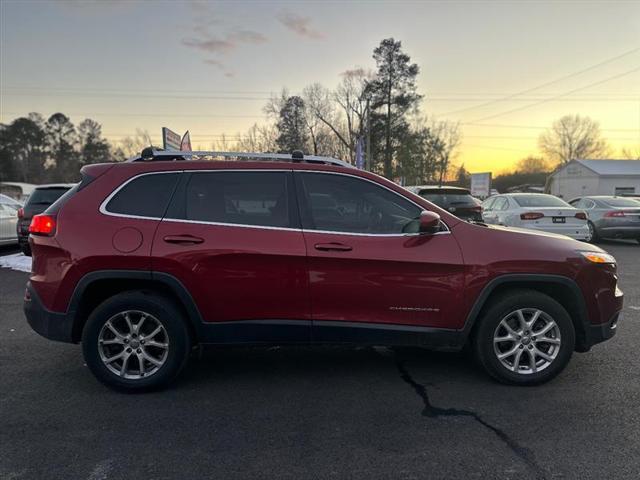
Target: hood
{"x": 520, "y": 234}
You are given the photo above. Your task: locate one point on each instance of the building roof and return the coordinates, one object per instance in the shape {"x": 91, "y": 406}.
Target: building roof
{"x": 612, "y": 167}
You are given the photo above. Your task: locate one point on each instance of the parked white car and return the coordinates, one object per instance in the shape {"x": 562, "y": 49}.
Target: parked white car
{"x": 536, "y": 211}
{"x": 8, "y": 222}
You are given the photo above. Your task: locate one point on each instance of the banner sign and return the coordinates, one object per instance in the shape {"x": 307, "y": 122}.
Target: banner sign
{"x": 185, "y": 143}
{"x": 481, "y": 185}
{"x": 170, "y": 139}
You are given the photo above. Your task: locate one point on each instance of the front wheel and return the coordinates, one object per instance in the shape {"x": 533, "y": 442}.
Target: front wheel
{"x": 136, "y": 341}
{"x": 524, "y": 338}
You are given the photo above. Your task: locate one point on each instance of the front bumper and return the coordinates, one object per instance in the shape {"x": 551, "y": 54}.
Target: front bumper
{"x": 600, "y": 333}
{"x": 51, "y": 325}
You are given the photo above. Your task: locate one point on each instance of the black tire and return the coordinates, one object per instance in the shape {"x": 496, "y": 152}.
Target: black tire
{"x": 499, "y": 309}
{"x": 25, "y": 249}
{"x": 162, "y": 311}
{"x": 594, "y": 233}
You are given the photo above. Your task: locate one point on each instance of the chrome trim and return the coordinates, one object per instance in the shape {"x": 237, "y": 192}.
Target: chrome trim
{"x": 104, "y": 211}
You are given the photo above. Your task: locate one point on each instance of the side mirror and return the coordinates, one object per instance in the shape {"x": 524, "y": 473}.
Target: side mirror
{"x": 429, "y": 222}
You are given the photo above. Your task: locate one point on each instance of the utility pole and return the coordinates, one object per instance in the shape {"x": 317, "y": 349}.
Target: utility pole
{"x": 368, "y": 165}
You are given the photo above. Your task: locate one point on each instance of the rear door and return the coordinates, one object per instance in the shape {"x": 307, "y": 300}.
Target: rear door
{"x": 368, "y": 266}
{"x": 233, "y": 238}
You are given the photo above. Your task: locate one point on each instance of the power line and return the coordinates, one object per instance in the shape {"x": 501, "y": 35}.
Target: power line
{"x": 546, "y": 84}
{"x": 539, "y": 127}
{"x": 164, "y": 115}
{"x": 608, "y": 79}
{"x": 133, "y": 95}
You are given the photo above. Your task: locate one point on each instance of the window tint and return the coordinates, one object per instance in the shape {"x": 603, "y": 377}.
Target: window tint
{"x": 340, "y": 203}
{"x": 539, "y": 201}
{"x": 446, "y": 200}
{"x": 46, "y": 196}
{"x": 145, "y": 196}
{"x": 621, "y": 202}
{"x": 244, "y": 198}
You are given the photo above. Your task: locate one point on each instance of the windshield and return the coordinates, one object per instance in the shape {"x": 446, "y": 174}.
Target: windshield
{"x": 540, "y": 201}
{"x": 621, "y": 202}
{"x": 46, "y": 196}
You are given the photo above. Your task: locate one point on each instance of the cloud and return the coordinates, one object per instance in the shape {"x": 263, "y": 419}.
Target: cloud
{"x": 209, "y": 36}
{"x": 300, "y": 25}
{"x": 214, "y": 62}
{"x": 211, "y": 45}
{"x": 247, "y": 36}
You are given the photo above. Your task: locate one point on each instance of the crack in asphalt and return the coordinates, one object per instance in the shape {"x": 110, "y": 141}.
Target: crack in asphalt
{"x": 432, "y": 411}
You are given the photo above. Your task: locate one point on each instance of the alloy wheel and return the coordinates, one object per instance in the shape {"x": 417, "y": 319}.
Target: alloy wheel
{"x": 133, "y": 344}
{"x": 527, "y": 341}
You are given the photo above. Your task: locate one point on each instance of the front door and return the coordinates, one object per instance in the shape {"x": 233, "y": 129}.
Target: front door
{"x": 368, "y": 265}
{"x": 233, "y": 238}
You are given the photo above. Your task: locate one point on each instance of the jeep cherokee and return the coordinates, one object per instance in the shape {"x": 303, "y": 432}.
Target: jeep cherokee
{"x": 145, "y": 259}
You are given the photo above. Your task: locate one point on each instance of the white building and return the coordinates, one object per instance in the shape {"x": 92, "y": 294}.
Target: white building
{"x": 595, "y": 177}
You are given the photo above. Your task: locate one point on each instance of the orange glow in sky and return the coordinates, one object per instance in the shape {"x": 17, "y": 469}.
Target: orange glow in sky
{"x": 208, "y": 67}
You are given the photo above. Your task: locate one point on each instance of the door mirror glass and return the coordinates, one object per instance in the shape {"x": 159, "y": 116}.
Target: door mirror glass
{"x": 429, "y": 222}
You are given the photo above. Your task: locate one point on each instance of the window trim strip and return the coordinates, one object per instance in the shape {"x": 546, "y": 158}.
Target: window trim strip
{"x": 104, "y": 210}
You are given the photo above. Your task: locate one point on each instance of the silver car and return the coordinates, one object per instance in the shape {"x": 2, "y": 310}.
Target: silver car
{"x": 8, "y": 222}
{"x": 610, "y": 217}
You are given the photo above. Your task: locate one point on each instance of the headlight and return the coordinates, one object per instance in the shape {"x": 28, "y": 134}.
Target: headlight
{"x": 598, "y": 257}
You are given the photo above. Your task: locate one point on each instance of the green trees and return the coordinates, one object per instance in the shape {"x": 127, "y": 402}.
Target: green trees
{"x": 393, "y": 95}
{"x": 37, "y": 151}
{"x": 292, "y": 126}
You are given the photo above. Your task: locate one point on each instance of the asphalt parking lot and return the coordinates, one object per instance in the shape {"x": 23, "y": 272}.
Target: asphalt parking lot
{"x": 319, "y": 412}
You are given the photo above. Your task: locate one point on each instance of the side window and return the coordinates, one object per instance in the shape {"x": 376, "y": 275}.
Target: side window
{"x": 242, "y": 198}
{"x": 500, "y": 204}
{"x": 487, "y": 206}
{"x": 144, "y": 196}
{"x": 588, "y": 204}
{"x": 342, "y": 203}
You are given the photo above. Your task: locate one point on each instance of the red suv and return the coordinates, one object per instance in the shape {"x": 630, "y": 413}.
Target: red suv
{"x": 143, "y": 260}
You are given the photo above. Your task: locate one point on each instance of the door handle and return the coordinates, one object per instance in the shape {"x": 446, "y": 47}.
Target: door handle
{"x": 333, "y": 247}
{"x": 183, "y": 239}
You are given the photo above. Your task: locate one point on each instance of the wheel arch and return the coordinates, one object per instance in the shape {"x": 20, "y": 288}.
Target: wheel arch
{"x": 562, "y": 289}
{"x": 95, "y": 287}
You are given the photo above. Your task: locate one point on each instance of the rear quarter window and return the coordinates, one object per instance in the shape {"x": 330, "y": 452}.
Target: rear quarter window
{"x": 145, "y": 196}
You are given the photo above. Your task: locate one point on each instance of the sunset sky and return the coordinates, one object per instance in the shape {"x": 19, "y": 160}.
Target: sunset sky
{"x": 209, "y": 66}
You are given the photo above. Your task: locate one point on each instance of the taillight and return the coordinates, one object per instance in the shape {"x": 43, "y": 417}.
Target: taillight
{"x": 43, "y": 225}
{"x": 21, "y": 212}
{"x": 531, "y": 215}
{"x": 614, "y": 214}
{"x": 581, "y": 215}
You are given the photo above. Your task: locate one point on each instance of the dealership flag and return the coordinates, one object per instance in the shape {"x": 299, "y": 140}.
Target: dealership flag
{"x": 360, "y": 154}
{"x": 185, "y": 144}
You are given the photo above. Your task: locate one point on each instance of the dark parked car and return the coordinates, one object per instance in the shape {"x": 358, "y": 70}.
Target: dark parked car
{"x": 39, "y": 200}
{"x": 610, "y": 217}
{"x": 145, "y": 259}
{"x": 453, "y": 199}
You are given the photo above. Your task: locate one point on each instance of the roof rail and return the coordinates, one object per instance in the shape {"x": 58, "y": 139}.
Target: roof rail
{"x": 151, "y": 155}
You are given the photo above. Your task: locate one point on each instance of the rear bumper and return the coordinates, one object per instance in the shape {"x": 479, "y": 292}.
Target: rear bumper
{"x": 51, "y": 325}
{"x": 580, "y": 232}
{"x": 620, "y": 232}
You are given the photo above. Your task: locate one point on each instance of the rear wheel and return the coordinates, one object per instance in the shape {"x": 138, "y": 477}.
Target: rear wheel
{"x": 593, "y": 234}
{"x": 524, "y": 338}
{"x": 136, "y": 341}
